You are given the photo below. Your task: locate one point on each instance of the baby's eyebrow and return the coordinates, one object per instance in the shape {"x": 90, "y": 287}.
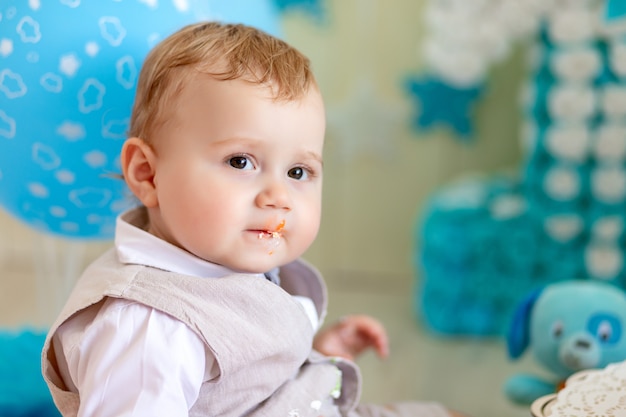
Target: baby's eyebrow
{"x": 236, "y": 140}
{"x": 316, "y": 156}
{"x": 246, "y": 141}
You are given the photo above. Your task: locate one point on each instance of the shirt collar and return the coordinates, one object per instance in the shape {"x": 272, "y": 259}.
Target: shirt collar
{"x": 134, "y": 245}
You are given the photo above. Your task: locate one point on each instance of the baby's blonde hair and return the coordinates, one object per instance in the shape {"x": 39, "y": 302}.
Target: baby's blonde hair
{"x": 222, "y": 51}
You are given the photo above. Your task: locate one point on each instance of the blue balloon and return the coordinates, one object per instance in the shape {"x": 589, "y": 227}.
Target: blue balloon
{"x": 67, "y": 82}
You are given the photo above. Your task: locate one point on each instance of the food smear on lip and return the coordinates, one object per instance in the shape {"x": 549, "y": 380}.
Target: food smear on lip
{"x": 272, "y": 238}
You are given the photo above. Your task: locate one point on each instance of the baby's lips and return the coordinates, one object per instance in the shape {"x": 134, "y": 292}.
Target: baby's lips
{"x": 276, "y": 232}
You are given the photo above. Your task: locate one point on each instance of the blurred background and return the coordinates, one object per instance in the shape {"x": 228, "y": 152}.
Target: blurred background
{"x": 427, "y": 105}
{"x": 379, "y": 169}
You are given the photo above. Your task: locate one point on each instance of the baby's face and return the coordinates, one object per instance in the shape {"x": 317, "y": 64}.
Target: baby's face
{"x": 239, "y": 176}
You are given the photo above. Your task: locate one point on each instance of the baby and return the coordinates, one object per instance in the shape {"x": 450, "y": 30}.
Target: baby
{"x": 204, "y": 307}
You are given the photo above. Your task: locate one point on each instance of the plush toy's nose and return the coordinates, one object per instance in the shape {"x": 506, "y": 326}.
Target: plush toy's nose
{"x": 579, "y": 351}
{"x": 583, "y": 344}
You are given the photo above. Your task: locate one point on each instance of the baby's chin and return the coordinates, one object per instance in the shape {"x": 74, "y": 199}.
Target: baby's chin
{"x": 260, "y": 266}
{"x": 254, "y": 262}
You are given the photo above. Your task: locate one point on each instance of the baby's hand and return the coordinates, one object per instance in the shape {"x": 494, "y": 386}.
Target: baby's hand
{"x": 350, "y": 336}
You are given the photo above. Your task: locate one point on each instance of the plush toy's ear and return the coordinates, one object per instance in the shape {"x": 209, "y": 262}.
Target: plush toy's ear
{"x": 518, "y": 337}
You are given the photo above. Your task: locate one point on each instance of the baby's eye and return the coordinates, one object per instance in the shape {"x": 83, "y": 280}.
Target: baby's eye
{"x": 240, "y": 162}
{"x": 298, "y": 173}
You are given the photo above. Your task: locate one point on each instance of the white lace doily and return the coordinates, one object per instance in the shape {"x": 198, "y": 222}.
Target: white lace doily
{"x": 592, "y": 394}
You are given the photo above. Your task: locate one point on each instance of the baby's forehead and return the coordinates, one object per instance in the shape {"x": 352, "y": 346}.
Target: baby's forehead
{"x": 203, "y": 95}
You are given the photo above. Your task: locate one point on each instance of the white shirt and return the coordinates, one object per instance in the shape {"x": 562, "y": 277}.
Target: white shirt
{"x": 133, "y": 360}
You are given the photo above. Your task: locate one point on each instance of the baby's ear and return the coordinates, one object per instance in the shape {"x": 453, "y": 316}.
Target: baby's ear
{"x": 138, "y": 165}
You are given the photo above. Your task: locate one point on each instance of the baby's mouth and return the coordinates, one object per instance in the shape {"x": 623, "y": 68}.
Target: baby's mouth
{"x": 266, "y": 234}
{"x": 272, "y": 237}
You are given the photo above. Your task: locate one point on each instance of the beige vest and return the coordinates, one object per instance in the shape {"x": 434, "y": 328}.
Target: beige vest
{"x": 260, "y": 336}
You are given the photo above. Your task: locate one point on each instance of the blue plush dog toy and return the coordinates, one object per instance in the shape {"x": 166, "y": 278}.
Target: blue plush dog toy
{"x": 569, "y": 326}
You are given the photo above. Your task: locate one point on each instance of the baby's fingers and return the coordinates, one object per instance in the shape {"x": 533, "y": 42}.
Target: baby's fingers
{"x": 370, "y": 332}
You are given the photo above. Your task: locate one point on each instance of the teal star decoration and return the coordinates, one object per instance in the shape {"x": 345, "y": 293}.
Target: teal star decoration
{"x": 439, "y": 103}
{"x": 312, "y": 7}
{"x": 615, "y": 9}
